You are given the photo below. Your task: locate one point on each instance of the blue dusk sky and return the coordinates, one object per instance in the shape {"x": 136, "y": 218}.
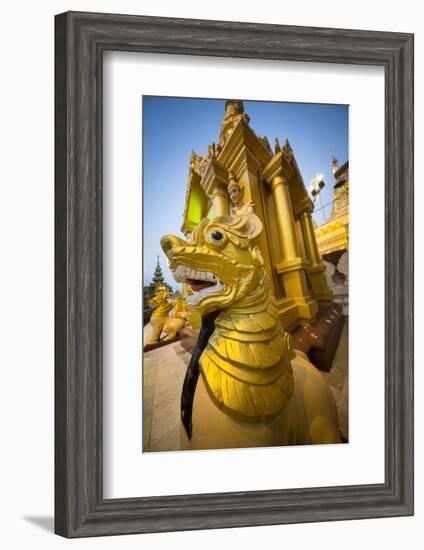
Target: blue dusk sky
{"x": 174, "y": 127}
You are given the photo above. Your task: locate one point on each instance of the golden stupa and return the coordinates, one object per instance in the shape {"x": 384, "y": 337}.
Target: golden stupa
{"x": 270, "y": 183}
{"x": 333, "y": 237}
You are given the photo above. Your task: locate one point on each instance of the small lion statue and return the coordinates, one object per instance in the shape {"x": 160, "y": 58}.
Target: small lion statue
{"x": 160, "y": 319}
{"x": 245, "y": 386}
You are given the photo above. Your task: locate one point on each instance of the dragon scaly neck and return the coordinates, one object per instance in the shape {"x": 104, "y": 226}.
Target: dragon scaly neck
{"x": 246, "y": 363}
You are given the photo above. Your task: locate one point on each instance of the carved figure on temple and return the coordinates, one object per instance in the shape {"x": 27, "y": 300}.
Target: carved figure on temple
{"x": 160, "y": 319}
{"x": 235, "y": 193}
{"x": 245, "y": 386}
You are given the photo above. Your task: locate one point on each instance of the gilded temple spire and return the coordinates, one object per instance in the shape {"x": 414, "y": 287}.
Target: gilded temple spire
{"x": 158, "y": 275}
{"x": 269, "y": 183}
{"x": 234, "y": 112}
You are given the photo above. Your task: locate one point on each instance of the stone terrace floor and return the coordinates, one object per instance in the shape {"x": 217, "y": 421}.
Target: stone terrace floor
{"x": 164, "y": 370}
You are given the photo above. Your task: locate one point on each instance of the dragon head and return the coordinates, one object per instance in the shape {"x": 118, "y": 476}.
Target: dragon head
{"x": 221, "y": 261}
{"x": 161, "y": 295}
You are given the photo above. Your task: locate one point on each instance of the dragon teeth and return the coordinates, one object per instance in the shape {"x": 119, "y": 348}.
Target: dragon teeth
{"x": 182, "y": 273}
{"x": 179, "y": 274}
{"x": 194, "y": 299}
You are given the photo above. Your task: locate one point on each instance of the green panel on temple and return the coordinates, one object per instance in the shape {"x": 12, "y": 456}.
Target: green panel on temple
{"x": 197, "y": 205}
{"x": 195, "y": 209}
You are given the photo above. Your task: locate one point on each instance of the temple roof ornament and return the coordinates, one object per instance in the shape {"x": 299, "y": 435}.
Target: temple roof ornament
{"x": 233, "y": 107}
{"x": 198, "y": 163}
{"x": 213, "y": 150}
{"x": 265, "y": 142}
{"x": 277, "y": 147}
{"x": 234, "y": 112}
{"x": 288, "y": 151}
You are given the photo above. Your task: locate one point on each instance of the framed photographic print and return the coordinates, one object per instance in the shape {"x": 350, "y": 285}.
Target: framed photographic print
{"x": 234, "y": 288}
{"x": 238, "y": 178}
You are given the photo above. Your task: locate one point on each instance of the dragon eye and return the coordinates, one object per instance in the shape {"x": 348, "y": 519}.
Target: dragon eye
{"x": 216, "y": 236}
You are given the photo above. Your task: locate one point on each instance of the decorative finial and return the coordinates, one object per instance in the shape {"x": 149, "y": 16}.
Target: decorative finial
{"x": 234, "y": 112}
{"x": 277, "y": 148}
{"x": 198, "y": 163}
{"x": 265, "y": 143}
{"x": 334, "y": 164}
{"x": 233, "y": 107}
{"x": 287, "y": 150}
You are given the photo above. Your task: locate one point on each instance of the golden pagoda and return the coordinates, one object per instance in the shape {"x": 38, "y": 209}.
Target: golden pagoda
{"x": 333, "y": 236}
{"x": 271, "y": 182}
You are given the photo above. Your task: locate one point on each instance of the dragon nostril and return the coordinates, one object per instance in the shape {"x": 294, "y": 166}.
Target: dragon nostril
{"x": 172, "y": 245}
{"x": 166, "y": 243}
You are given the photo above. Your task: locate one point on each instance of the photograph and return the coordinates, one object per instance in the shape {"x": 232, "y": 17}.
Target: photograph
{"x": 233, "y": 323}
{"x": 245, "y": 273}
{"x": 208, "y": 335}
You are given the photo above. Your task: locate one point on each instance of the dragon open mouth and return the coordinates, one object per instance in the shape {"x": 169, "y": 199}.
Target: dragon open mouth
{"x": 201, "y": 282}
{"x": 198, "y": 285}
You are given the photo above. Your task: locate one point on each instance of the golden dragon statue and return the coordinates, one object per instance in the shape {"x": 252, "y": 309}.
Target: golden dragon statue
{"x": 250, "y": 388}
{"x": 160, "y": 319}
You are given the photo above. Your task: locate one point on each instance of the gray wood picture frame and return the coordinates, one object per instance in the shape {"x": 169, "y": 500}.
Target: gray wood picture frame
{"x": 80, "y": 40}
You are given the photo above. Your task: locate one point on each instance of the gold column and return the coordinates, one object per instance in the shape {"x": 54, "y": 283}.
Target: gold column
{"x": 309, "y": 238}
{"x": 291, "y": 268}
{"x": 220, "y": 200}
{"x": 214, "y": 183}
{"x": 286, "y": 228}
{"x": 317, "y": 269}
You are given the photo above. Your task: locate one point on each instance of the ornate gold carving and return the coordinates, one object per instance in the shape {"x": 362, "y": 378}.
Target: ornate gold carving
{"x": 288, "y": 151}
{"x": 213, "y": 150}
{"x": 265, "y": 142}
{"x": 235, "y": 192}
{"x": 198, "y": 163}
{"x": 234, "y": 112}
{"x": 246, "y": 363}
{"x": 277, "y": 147}
{"x": 161, "y": 321}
